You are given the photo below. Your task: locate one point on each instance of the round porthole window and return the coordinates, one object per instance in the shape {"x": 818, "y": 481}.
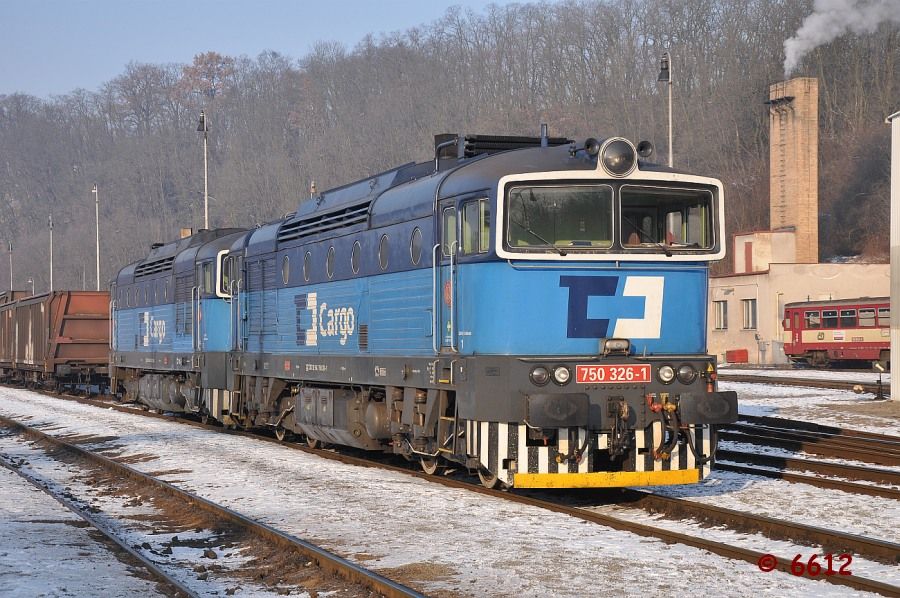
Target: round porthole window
{"x": 354, "y": 257}
{"x": 307, "y": 265}
{"x": 329, "y": 262}
{"x": 285, "y": 269}
{"x": 383, "y": 252}
{"x": 415, "y": 246}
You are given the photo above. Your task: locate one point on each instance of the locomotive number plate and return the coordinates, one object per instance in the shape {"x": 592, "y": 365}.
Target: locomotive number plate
{"x": 615, "y": 374}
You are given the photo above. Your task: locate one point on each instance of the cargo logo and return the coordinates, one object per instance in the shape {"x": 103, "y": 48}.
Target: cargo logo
{"x": 635, "y": 309}
{"x": 154, "y": 330}
{"x": 325, "y": 321}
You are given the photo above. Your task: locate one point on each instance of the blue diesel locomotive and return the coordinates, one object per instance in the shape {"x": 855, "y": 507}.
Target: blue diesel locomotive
{"x": 527, "y": 307}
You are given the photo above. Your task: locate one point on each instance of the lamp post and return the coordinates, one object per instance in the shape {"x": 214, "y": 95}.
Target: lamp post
{"x": 51, "y": 253}
{"x": 31, "y": 282}
{"x": 10, "y": 267}
{"x": 204, "y": 128}
{"x": 665, "y": 76}
{"x": 97, "y": 212}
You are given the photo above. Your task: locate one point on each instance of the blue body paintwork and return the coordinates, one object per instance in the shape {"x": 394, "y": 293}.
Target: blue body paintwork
{"x": 502, "y": 310}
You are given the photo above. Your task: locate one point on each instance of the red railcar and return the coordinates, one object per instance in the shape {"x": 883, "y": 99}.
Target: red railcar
{"x": 61, "y": 337}
{"x": 820, "y": 333}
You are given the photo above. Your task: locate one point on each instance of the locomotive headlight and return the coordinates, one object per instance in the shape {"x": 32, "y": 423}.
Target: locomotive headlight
{"x": 540, "y": 375}
{"x": 686, "y": 373}
{"x": 666, "y": 374}
{"x": 618, "y": 157}
{"x": 561, "y": 375}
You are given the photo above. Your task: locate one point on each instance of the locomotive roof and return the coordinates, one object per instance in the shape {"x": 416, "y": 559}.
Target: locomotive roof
{"x": 163, "y": 257}
{"x": 839, "y": 302}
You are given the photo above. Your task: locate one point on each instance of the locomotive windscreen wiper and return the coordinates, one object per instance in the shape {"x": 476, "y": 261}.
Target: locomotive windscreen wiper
{"x": 527, "y": 229}
{"x": 546, "y": 243}
{"x": 643, "y": 231}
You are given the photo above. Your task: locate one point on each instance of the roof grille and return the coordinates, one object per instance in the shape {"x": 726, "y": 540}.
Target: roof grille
{"x": 320, "y": 223}
{"x": 149, "y": 268}
{"x": 449, "y": 145}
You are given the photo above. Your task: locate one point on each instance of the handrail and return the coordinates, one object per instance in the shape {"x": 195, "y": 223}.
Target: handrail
{"x": 193, "y": 319}
{"x": 435, "y": 318}
{"x": 453, "y": 248}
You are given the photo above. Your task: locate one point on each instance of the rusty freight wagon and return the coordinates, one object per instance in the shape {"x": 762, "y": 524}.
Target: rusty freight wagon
{"x": 55, "y": 339}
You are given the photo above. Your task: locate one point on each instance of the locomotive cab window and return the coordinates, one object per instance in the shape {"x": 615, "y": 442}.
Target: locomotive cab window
{"x": 476, "y": 226}
{"x": 571, "y": 217}
{"x": 448, "y": 229}
{"x": 676, "y": 218}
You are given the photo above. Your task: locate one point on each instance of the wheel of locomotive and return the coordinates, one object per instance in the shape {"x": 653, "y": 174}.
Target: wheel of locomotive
{"x": 204, "y": 419}
{"x": 314, "y": 443}
{"x": 280, "y": 433}
{"x": 488, "y": 480}
{"x": 429, "y": 464}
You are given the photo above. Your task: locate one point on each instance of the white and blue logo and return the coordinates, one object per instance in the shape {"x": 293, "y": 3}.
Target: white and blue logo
{"x": 596, "y": 301}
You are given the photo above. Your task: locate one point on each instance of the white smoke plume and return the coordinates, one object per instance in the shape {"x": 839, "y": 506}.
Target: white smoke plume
{"x": 831, "y": 19}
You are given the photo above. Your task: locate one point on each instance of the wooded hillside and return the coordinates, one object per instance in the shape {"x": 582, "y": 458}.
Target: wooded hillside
{"x": 586, "y": 68}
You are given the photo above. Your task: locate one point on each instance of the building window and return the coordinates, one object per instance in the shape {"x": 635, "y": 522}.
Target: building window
{"x": 749, "y": 308}
{"x": 721, "y": 312}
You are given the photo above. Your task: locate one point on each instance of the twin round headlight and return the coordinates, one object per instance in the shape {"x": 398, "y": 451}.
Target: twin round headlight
{"x": 685, "y": 374}
{"x": 541, "y": 375}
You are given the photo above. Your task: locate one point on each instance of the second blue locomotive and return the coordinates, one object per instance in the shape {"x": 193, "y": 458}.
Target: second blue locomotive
{"x": 530, "y": 308}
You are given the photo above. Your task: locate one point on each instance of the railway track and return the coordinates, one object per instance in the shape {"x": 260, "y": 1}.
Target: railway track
{"x": 818, "y": 538}
{"x": 246, "y": 533}
{"x": 820, "y": 440}
{"x": 862, "y": 387}
{"x": 169, "y": 583}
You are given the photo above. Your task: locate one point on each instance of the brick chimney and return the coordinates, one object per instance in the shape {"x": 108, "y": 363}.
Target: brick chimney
{"x": 794, "y": 163}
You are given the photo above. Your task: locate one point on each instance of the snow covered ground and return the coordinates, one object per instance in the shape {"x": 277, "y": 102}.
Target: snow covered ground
{"x": 45, "y": 550}
{"x": 862, "y": 376}
{"x": 454, "y": 541}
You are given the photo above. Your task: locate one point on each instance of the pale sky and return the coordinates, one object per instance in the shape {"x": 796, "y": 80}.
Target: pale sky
{"x": 52, "y": 47}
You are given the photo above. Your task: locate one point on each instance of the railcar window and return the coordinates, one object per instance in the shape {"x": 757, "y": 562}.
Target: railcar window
{"x": 796, "y": 320}
{"x": 475, "y": 227}
{"x": 884, "y": 317}
{"x": 354, "y": 257}
{"x": 813, "y": 320}
{"x": 848, "y": 318}
{"x": 329, "y": 262}
{"x": 576, "y": 217}
{"x": 415, "y": 246}
{"x": 866, "y": 317}
{"x": 829, "y": 318}
{"x": 678, "y": 218}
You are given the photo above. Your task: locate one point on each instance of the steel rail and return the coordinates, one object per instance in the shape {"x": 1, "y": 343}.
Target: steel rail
{"x": 824, "y": 448}
{"x": 865, "y": 387}
{"x": 780, "y": 529}
{"x": 851, "y": 472}
{"x": 830, "y": 484}
{"x": 792, "y": 424}
{"x": 327, "y": 561}
{"x": 891, "y": 446}
{"x": 878, "y": 550}
{"x": 162, "y": 577}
